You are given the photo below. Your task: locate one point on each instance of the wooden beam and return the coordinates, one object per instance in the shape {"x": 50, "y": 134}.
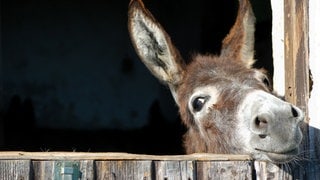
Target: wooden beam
{"x": 19, "y": 155}
{"x": 296, "y": 53}
{"x": 297, "y": 82}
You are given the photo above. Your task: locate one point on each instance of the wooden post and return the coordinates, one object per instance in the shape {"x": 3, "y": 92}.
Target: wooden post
{"x": 297, "y": 58}
{"x": 297, "y": 81}
{"x": 296, "y": 34}
{"x": 296, "y": 53}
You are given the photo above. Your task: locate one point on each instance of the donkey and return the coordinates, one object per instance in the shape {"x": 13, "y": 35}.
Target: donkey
{"x": 227, "y": 106}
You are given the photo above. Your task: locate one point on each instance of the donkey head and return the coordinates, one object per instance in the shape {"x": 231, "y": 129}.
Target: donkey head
{"x": 226, "y": 105}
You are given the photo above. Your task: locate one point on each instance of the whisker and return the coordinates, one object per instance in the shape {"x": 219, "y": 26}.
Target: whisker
{"x": 287, "y": 167}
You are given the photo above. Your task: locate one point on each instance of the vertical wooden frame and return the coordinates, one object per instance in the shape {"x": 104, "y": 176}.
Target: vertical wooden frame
{"x": 297, "y": 80}
{"x": 296, "y": 32}
{"x": 296, "y": 52}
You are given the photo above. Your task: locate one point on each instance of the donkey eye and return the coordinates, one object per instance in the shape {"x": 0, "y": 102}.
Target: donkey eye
{"x": 197, "y": 103}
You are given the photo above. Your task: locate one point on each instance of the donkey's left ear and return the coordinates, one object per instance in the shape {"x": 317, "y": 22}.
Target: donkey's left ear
{"x": 154, "y": 45}
{"x": 239, "y": 43}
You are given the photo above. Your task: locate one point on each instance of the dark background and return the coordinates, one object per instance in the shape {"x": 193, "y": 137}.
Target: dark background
{"x": 71, "y": 81}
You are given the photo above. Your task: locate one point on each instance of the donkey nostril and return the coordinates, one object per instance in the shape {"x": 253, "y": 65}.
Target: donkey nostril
{"x": 294, "y": 112}
{"x": 261, "y": 123}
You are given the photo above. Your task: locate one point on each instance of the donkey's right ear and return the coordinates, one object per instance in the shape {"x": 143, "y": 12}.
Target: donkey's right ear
{"x": 153, "y": 45}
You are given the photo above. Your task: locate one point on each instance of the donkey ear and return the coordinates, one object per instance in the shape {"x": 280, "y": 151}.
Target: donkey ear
{"x": 153, "y": 45}
{"x": 239, "y": 43}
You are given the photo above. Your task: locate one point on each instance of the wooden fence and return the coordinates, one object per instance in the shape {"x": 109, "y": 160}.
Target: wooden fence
{"x": 123, "y": 166}
{"x": 298, "y": 87}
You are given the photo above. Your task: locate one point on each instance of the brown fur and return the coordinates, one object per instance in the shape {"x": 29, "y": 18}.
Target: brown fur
{"x": 229, "y": 78}
{"x": 219, "y": 71}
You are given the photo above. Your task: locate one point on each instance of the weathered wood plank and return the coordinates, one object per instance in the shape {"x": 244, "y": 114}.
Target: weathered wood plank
{"x": 46, "y": 170}
{"x": 15, "y": 169}
{"x": 87, "y": 168}
{"x": 296, "y": 53}
{"x": 175, "y": 170}
{"x": 265, "y": 170}
{"x": 43, "y": 169}
{"x": 215, "y": 170}
{"x": 298, "y": 82}
{"x": 11, "y": 155}
{"x": 124, "y": 170}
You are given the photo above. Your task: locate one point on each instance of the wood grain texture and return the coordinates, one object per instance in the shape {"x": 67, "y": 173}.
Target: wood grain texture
{"x": 155, "y": 169}
{"x": 213, "y": 170}
{"x": 265, "y": 170}
{"x": 15, "y": 170}
{"x": 45, "y": 170}
{"x": 18, "y": 155}
{"x": 298, "y": 84}
{"x": 115, "y": 170}
{"x": 296, "y": 53}
{"x": 175, "y": 170}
